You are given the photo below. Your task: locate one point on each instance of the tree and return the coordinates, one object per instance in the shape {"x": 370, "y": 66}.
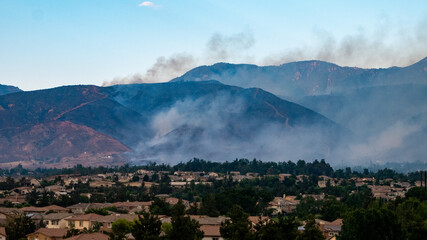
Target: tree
{"x": 331, "y": 208}
{"x": 238, "y": 226}
{"x": 417, "y": 192}
{"x": 160, "y": 207}
{"x": 120, "y": 228}
{"x": 147, "y": 227}
{"x": 284, "y": 228}
{"x": 311, "y": 230}
{"x": 370, "y": 224}
{"x": 208, "y": 206}
{"x": 18, "y": 225}
{"x": 183, "y": 227}
{"x": 412, "y": 221}
{"x": 308, "y": 205}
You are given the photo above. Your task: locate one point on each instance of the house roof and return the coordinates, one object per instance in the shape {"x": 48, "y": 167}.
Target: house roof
{"x": 33, "y": 209}
{"x": 43, "y": 209}
{"x": 51, "y": 232}
{"x": 206, "y": 220}
{"x": 86, "y": 217}
{"x": 114, "y": 217}
{"x": 256, "y": 219}
{"x": 131, "y": 204}
{"x": 2, "y": 231}
{"x": 337, "y": 222}
{"x": 55, "y": 208}
{"x": 57, "y": 216}
{"x": 211, "y": 230}
{"x": 90, "y": 236}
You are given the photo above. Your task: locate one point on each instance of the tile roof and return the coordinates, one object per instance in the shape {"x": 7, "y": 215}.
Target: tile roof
{"x": 206, "y": 220}
{"x": 57, "y": 216}
{"x": 211, "y": 230}
{"x": 114, "y": 217}
{"x": 51, "y": 232}
{"x": 90, "y": 236}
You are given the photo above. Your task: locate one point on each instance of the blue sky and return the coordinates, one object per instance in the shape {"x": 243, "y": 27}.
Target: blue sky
{"x": 52, "y": 43}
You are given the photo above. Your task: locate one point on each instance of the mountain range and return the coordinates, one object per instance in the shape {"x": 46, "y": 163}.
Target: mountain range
{"x": 165, "y": 122}
{"x": 298, "y": 110}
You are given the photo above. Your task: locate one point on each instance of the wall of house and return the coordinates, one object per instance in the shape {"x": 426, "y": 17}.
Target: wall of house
{"x": 60, "y": 224}
{"x": 81, "y": 224}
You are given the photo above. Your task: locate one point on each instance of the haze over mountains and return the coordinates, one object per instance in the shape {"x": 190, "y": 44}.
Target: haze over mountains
{"x": 222, "y": 112}
{"x": 377, "y": 105}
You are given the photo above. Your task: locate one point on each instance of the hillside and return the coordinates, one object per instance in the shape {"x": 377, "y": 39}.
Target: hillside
{"x": 374, "y": 104}
{"x": 6, "y": 89}
{"x": 168, "y": 122}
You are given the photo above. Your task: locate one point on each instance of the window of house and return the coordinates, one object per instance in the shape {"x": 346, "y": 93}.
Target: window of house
{"x": 81, "y": 223}
{"x": 109, "y": 225}
{"x": 215, "y": 238}
{"x": 54, "y": 222}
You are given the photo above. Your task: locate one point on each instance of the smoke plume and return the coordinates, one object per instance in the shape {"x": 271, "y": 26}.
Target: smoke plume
{"x": 219, "y": 48}
{"x": 386, "y": 46}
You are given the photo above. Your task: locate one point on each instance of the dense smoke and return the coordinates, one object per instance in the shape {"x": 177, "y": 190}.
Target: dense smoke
{"x": 212, "y": 128}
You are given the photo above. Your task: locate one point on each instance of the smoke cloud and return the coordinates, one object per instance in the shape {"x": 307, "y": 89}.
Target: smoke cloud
{"x": 163, "y": 70}
{"x": 219, "y": 48}
{"x": 224, "y": 48}
{"x": 384, "y": 47}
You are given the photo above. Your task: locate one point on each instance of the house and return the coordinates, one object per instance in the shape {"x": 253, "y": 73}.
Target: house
{"x": 4, "y": 212}
{"x": 211, "y": 232}
{"x": 90, "y": 236}
{"x": 2, "y": 233}
{"x": 81, "y": 208}
{"x": 57, "y": 220}
{"x": 56, "y": 208}
{"x": 173, "y": 201}
{"x": 14, "y": 199}
{"x": 256, "y": 219}
{"x": 206, "y": 220}
{"x": 330, "y": 229}
{"x": 107, "y": 221}
{"x": 133, "y": 206}
{"x": 22, "y": 190}
{"x": 83, "y": 221}
{"x": 103, "y": 183}
{"x": 53, "y": 208}
{"x": 380, "y": 191}
{"x": 47, "y": 234}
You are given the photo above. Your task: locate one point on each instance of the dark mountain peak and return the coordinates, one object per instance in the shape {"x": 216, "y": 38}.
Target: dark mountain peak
{"x": 6, "y": 89}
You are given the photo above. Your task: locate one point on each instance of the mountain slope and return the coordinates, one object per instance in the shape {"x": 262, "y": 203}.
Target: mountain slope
{"x": 219, "y": 122}
{"x": 6, "y": 89}
{"x": 168, "y": 122}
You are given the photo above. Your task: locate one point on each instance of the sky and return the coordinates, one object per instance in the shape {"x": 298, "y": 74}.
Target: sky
{"x": 50, "y": 43}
